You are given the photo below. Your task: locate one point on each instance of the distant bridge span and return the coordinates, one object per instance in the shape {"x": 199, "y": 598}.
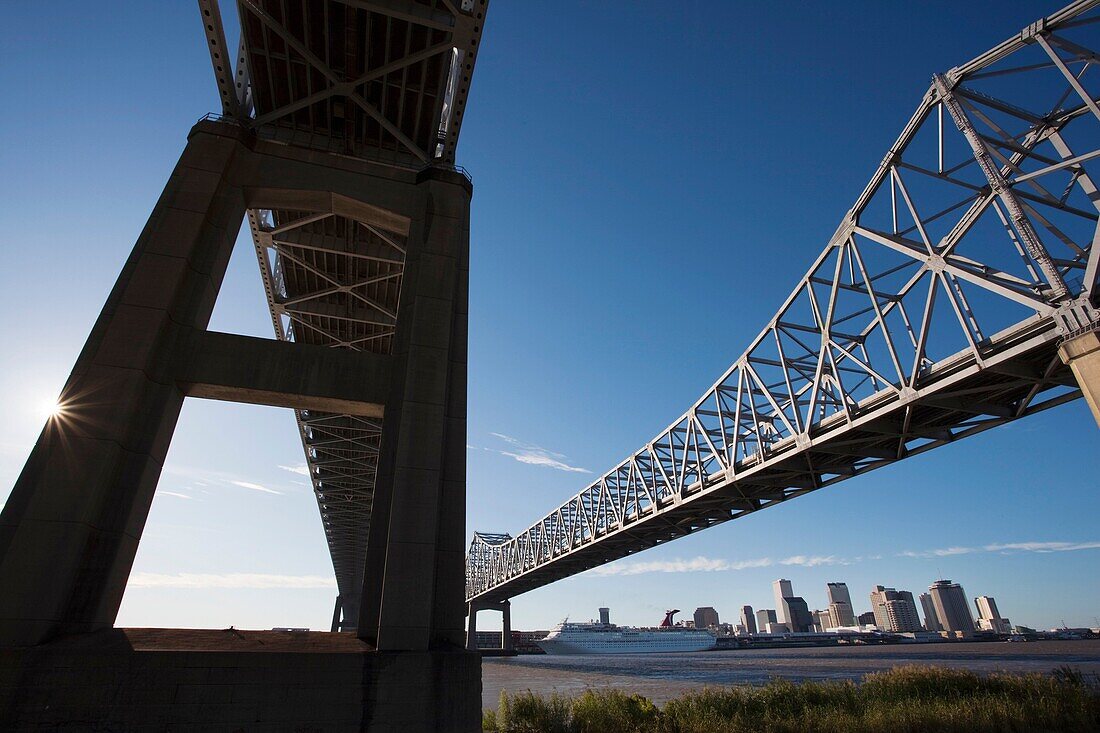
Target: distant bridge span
{"x": 957, "y": 294}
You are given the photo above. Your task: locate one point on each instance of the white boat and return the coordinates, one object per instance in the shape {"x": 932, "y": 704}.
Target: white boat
{"x": 607, "y": 638}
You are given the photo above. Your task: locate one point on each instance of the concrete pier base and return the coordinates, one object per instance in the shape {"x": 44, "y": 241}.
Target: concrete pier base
{"x": 1082, "y": 355}
{"x": 193, "y": 680}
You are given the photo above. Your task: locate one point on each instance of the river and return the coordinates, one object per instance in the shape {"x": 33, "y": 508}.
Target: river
{"x": 664, "y": 676}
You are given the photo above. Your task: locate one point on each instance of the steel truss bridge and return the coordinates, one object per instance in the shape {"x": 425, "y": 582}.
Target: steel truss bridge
{"x": 934, "y": 313}
{"x": 380, "y": 80}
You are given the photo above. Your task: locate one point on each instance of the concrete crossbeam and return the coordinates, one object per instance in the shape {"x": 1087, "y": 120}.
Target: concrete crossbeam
{"x": 223, "y": 366}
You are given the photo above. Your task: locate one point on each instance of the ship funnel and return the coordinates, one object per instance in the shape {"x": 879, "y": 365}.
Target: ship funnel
{"x": 668, "y": 618}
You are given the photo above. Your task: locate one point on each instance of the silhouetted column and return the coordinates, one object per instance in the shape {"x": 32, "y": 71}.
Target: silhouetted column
{"x": 471, "y": 630}
{"x": 70, "y": 529}
{"x": 336, "y": 616}
{"x": 414, "y": 583}
{"x": 1082, "y": 354}
{"x": 506, "y": 626}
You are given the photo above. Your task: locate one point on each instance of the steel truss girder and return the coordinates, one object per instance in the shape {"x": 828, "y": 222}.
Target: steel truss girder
{"x": 336, "y": 282}
{"x": 310, "y": 99}
{"x": 933, "y": 313}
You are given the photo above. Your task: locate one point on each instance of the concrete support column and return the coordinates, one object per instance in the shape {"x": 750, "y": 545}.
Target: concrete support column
{"x": 414, "y": 580}
{"x": 506, "y": 626}
{"x": 1082, "y": 355}
{"x": 336, "y": 616}
{"x": 70, "y": 529}
{"x": 471, "y": 629}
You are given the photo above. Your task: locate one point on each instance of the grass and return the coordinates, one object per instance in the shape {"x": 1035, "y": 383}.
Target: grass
{"x": 903, "y": 700}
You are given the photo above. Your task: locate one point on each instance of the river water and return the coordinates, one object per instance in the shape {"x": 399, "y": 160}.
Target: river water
{"x": 664, "y": 676}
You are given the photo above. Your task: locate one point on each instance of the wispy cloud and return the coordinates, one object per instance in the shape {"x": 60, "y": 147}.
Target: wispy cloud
{"x": 1004, "y": 548}
{"x": 257, "y": 581}
{"x": 255, "y": 487}
{"x": 702, "y": 564}
{"x": 533, "y": 455}
{"x": 301, "y": 469}
{"x": 175, "y": 494}
{"x": 205, "y": 478}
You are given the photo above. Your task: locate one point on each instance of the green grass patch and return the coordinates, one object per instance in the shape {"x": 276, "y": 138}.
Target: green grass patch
{"x": 909, "y": 699}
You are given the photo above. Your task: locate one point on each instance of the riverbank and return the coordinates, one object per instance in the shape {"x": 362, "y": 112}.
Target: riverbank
{"x": 661, "y": 677}
{"x": 907, "y": 699}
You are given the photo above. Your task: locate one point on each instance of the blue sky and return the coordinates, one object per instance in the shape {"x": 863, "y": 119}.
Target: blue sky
{"x": 649, "y": 185}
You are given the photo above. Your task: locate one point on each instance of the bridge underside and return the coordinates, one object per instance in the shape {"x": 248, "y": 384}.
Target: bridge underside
{"x": 385, "y": 82}
{"x": 973, "y": 402}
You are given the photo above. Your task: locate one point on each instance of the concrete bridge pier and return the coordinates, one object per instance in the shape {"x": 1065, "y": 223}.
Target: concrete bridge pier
{"x": 70, "y": 530}
{"x": 1082, "y": 355}
{"x": 505, "y": 608}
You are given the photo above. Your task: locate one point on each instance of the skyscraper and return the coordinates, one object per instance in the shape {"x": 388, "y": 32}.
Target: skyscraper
{"x": 840, "y": 605}
{"x": 748, "y": 620}
{"x": 841, "y": 614}
{"x": 781, "y": 589}
{"x": 951, "y": 607}
{"x": 798, "y": 614}
{"x": 894, "y": 610}
{"x": 705, "y": 617}
{"x": 931, "y": 618}
{"x": 989, "y": 618}
{"x": 764, "y": 617}
{"x": 838, "y": 593}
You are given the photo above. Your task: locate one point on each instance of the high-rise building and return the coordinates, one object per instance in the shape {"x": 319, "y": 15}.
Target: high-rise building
{"x": 866, "y": 619}
{"x": 748, "y": 620}
{"x": 798, "y": 614}
{"x": 764, "y": 617}
{"x": 841, "y": 614}
{"x": 894, "y": 610}
{"x": 705, "y": 617}
{"x": 822, "y": 620}
{"x": 838, "y": 593}
{"x": 931, "y": 618}
{"x": 951, "y": 607}
{"x": 605, "y": 616}
{"x": 781, "y": 589}
{"x": 989, "y": 618}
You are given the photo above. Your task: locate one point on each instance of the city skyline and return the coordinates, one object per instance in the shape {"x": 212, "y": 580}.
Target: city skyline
{"x": 233, "y": 536}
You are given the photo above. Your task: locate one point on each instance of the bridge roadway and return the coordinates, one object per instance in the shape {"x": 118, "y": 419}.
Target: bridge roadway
{"x": 937, "y": 310}
{"x": 384, "y": 81}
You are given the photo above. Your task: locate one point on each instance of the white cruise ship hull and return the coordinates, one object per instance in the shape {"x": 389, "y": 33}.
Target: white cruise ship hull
{"x": 614, "y": 642}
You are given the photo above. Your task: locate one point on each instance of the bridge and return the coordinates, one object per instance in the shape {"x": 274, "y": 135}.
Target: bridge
{"x": 957, "y": 294}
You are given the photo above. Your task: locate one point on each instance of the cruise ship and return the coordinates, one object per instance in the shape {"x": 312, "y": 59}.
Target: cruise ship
{"x": 607, "y": 638}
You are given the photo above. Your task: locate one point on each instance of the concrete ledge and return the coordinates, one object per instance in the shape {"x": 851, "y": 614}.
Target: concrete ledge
{"x": 184, "y": 680}
{"x": 224, "y": 366}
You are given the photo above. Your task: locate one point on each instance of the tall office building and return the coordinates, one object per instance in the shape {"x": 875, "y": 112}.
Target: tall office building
{"x": 841, "y": 614}
{"x": 866, "y": 619}
{"x": 781, "y": 589}
{"x": 822, "y": 620}
{"x": 931, "y": 618}
{"x": 605, "y": 616}
{"x": 798, "y": 614}
{"x": 989, "y": 618}
{"x": 838, "y": 593}
{"x": 748, "y": 620}
{"x": 705, "y": 617}
{"x": 951, "y": 607}
{"x": 894, "y": 610}
{"x": 764, "y": 617}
